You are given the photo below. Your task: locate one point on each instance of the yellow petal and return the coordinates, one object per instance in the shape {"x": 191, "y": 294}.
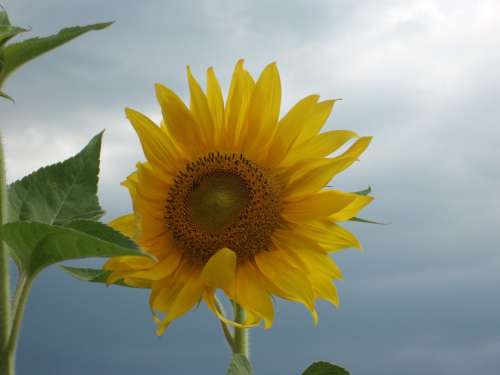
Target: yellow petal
{"x": 324, "y": 288}
{"x": 164, "y": 291}
{"x": 175, "y": 294}
{"x": 291, "y": 257}
{"x": 145, "y": 206}
{"x": 200, "y": 110}
{"x": 125, "y": 224}
{"x": 353, "y": 152}
{"x": 319, "y": 146}
{"x": 317, "y": 262}
{"x": 216, "y": 104}
{"x": 289, "y": 282}
{"x": 292, "y": 124}
{"x": 209, "y": 298}
{"x": 241, "y": 127}
{"x": 316, "y": 206}
{"x": 154, "y": 144}
{"x": 263, "y": 112}
{"x": 180, "y": 123}
{"x": 252, "y": 295}
{"x": 188, "y": 296}
{"x": 183, "y": 301}
{"x": 124, "y": 266}
{"x": 328, "y": 234}
{"x": 313, "y": 257}
{"x": 116, "y": 276}
{"x": 220, "y": 271}
{"x": 152, "y": 185}
{"x": 291, "y": 237}
{"x": 316, "y": 179}
{"x": 233, "y": 101}
{"x": 316, "y": 119}
{"x": 157, "y": 240}
{"x": 137, "y": 283}
{"x": 238, "y": 98}
{"x": 288, "y": 175}
{"x": 352, "y": 209}
{"x": 131, "y": 184}
{"x": 276, "y": 152}
{"x": 128, "y": 263}
{"x": 150, "y": 227}
{"x": 162, "y": 269}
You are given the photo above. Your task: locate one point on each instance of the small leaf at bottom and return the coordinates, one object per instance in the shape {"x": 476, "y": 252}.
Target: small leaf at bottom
{"x": 325, "y": 368}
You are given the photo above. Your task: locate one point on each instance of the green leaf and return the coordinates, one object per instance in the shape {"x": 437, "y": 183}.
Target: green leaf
{"x": 240, "y": 365}
{"x": 367, "y": 191}
{"x": 35, "y": 245}
{"x": 92, "y": 275}
{"x": 7, "y": 32}
{"x": 325, "y": 368}
{"x": 98, "y": 275}
{"x": 104, "y": 232}
{"x": 20, "y": 53}
{"x": 4, "y": 95}
{"x": 4, "y": 17}
{"x": 60, "y": 193}
{"x": 360, "y": 220}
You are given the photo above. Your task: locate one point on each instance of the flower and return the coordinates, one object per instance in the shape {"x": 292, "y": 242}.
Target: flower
{"x": 233, "y": 198}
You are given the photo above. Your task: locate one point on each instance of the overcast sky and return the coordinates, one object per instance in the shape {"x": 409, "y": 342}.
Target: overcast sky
{"x": 422, "y": 77}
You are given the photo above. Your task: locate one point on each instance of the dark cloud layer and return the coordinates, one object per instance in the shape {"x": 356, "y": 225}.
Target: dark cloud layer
{"x": 421, "y": 76}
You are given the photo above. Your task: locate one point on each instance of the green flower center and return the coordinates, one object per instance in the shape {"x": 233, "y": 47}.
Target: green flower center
{"x": 222, "y": 200}
{"x": 217, "y": 200}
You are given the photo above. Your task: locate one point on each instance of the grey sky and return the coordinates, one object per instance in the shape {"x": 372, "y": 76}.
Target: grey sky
{"x": 422, "y": 77}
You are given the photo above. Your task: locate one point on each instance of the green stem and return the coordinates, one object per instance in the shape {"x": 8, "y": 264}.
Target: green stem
{"x": 22, "y": 293}
{"x": 225, "y": 329}
{"x": 241, "y": 336}
{"x": 4, "y": 261}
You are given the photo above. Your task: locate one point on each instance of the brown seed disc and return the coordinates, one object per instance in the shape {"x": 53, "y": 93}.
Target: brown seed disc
{"x": 222, "y": 200}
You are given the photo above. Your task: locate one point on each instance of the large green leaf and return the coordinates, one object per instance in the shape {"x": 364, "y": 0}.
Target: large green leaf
{"x": 104, "y": 232}
{"x": 20, "y": 53}
{"x": 97, "y": 275}
{"x": 59, "y": 193}
{"x": 36, "y": 245}
{"x": 325, "y": 368}
{"x": 92, "y": 275}
{"x": 240, "y": 365}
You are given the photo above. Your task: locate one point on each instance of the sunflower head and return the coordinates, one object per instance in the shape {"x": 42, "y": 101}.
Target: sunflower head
{"x": 233, "y": 198}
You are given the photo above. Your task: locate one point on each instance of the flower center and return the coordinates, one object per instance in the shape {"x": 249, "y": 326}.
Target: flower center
{"x": 217, "y": 200}
{"x": 222, "y": 200}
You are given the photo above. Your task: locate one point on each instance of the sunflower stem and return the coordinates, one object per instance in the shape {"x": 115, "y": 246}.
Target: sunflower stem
{"x": 22, "y": 293}
{"x": 241, "y": 335}
{"x": 225, "y": 329}
{"x": 5, "y": 363}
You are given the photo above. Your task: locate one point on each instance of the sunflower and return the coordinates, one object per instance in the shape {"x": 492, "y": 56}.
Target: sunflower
{"x": 234, "y": 199}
